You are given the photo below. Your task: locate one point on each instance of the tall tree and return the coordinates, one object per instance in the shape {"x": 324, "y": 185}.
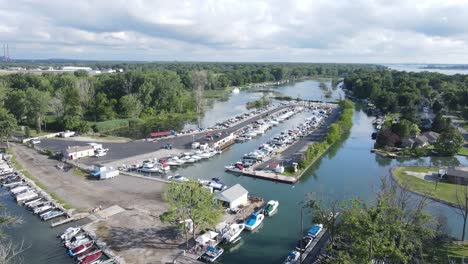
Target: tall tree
{"x": 7, "y": 124}
{"x": 190, "y": 200}
{"x": 130, "y": 106}
{"x": 449, "y": 142}
{"x": 199, "y": 81}
{"x": 37, "y": 106}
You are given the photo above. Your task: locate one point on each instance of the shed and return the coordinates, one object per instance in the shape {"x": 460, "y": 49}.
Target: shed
{"x": 77, "y": 152}
{"x": 458, "y": 175}
{"x": 234, "y": 196}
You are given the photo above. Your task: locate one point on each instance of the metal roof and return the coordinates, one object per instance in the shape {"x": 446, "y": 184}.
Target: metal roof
{"x": 232, "y": 193}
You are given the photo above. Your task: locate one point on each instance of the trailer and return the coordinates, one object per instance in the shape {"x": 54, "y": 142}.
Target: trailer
{"x": 67, "y": 133}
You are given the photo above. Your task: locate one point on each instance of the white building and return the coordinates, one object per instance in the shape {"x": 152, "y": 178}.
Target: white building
{"x": 76, "y": 152}
{"x": 75, "y": 68}
{"x": 234, "y": 196}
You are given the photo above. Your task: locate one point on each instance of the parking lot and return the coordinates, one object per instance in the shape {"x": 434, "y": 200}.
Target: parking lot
{"x": 122, "y": 150}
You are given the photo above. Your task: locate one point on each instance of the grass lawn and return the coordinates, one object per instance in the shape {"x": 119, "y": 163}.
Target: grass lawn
{"x": 463, "y": 151}
{"x": 452, "y": 252}
{"x": 444, "y": 191}
{"x": 291, "y": 174}
{"x": 33, "y": 132}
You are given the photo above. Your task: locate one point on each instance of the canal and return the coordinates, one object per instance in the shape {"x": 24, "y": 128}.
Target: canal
{"x": 348, "y": 169}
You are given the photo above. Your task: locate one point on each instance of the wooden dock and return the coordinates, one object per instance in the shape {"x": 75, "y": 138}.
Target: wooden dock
{"x": 70, "y": 219}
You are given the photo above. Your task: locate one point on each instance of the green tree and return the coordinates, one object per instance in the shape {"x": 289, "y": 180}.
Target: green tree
{"x": 190, "y": 200}
{"x": 7, "y": 124}
{"x": 414, "y": 130}
{"x": 449, "y": 142}
{"x": 130, "y": 106}
{"x": 402, "y": 128}
{"x": 16, "y": 103}
{"x": 37, "y": 106}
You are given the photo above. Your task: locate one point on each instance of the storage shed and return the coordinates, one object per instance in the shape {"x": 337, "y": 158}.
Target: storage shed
{"x": 234, "y": 196}
{"x": 76, "y": 152}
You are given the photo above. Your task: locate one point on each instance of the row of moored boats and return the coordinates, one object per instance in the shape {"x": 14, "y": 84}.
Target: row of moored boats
{"x": 82, "y": 247}
{"x": 30, "y": 196}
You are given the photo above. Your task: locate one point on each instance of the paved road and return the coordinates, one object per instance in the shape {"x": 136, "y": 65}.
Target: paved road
{"x": 119, "y": 150}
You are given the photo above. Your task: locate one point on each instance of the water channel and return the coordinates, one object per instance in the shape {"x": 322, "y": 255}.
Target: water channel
{"x": 348, "y": 169}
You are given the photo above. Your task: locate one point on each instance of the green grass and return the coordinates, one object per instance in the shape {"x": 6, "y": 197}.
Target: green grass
{"x": 444, "y": 191}
{"x": 451, "y": 251}
{"x": 36, "y": 181}
{"x": 80, "y": 173}
{"x": 291, "y": 174}
{"x": 463, "y": 151}
{"x": 34, "y": 133}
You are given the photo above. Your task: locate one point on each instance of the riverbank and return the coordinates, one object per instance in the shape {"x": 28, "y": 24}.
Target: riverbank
{"x": 424, "y": 181}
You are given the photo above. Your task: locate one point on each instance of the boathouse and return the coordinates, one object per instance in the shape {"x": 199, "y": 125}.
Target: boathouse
{"x": 76, "y": 152}
{"x": 234, "y": 196}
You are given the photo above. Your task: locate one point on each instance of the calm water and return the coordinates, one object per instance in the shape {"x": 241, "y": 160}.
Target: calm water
{"x": 348, "y": 169}
{"x": 417, "y": 68}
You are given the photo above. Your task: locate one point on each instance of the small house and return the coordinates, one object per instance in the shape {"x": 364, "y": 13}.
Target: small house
{"x": 76, "y": 152}
{"x": 234, "y": 197}
{"x": 457, "y": 175}
{"x": 407, "y": 143}
{"x": 431, "y": 136}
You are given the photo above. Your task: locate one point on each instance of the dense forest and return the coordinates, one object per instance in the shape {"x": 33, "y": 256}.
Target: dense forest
{"x": 144, "y": 91}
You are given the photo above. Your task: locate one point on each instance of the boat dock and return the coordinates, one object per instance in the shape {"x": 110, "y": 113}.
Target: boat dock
{"x": 311, "y": 252}
{"x": 69, "y": 219}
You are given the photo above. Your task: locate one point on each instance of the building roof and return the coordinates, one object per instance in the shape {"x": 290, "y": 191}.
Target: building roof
{"x": 459, "y": 172}
{"x": 78, "y": 149}
{"x": 431, "y": 136}
{"x": 232, "y": 193}
{"x": 407, "y": 142}
{"x": 421, "y": 139}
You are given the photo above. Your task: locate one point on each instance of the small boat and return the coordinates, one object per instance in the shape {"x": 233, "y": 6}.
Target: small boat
{"x": 271, "y": 207}
{"x": 91, "y": 258}
{"x": 292, "y": 258}
{"x": 233, "y": 233}
{"x": 43, "y": 208}
{"x": 149, "y": 167}
{"x": 35, "y": 200}
{"x": 80, "y": 249}
{"x": 77, "y": 243}
{"x": 177, "y": 178}
{"x": 254, "y": 221}
{"x": 26, "y": 196}
{"x": 212, "y": 253}
{"x": 187, "y": 159}
{"x": 51, "y": 214}
{"x": 19, "y": 189}
{"x": 315, "y": 230}
{"x": 164, "y": 167}
{"x": 70, "y": 232}
{"x": 235, "y": 168}
{"x": 304, "y": 243}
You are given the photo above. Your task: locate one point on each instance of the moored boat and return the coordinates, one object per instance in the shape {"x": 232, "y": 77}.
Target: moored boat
{"x": 91, "y": 258}
{"x": 235, "y": 168}
{"x": 233, "y": 233}
{"x": 254, "y": 220}
{"x": 271, "y": 207}
{"x": 80, "y": 249}
{"x": 315, "y": 230}
{"x": 292, "y": 258}
{"x": 70, "y": 232}
{"x": 212, "y": 253}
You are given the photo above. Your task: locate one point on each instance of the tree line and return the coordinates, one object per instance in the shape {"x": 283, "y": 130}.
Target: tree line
{"x": 77, "y": 101}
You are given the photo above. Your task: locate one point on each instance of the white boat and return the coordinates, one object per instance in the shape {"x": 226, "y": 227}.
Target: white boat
{"x": 164, "y": 167}
{"x": 177, "y": 178}
{"x": 52, "y": 214}
{"x": 233, "y": 233}
{"x": 292, "y": 258}
{"x": 26, "y": 196}
{"x": 212, "y": 253}
{"x": 175, "y": 162}
{"x": 271, "y": 207}
{"x": 36, "y": 200}
{"x": 254, "y": 221}
{"x": 150, "y": 167}
{"x": 19, "y": 189}
{"x": 43, "y": 208}
{"x": 205, "y": 155}
{"x": 235, "y": 168}
{"x": 235, "y": 90}
{"x": 77, "y": 243}
{"x": 196, "y": 157}
{"x": 70, "y": 232}
{"x": 315, "y": 230}
{"x": 187, "y": 159}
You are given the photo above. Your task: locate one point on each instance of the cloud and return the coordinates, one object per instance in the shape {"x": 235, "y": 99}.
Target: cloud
{"x": 232, "y": 30}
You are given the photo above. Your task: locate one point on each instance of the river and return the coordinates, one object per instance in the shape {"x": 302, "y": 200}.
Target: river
{"x": 349, "y": 169}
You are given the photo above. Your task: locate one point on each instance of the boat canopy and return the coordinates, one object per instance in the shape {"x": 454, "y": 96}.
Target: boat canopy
{"x": 314, "y": 230}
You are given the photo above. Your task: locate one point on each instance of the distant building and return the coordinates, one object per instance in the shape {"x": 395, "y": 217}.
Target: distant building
{"x": 75, "y": 68}
{"x": 76, "y": 152}
{"x": 457, "y": 175}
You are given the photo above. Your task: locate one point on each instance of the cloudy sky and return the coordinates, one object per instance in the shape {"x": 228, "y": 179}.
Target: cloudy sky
{"x": 386, "y": 31}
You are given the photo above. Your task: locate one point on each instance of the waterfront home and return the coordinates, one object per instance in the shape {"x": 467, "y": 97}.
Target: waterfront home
{"x": 422, "y": 140}
{"x": 76, "y": 152}
{"x": 234, "y": 197}
{"x": 457, "y": 175}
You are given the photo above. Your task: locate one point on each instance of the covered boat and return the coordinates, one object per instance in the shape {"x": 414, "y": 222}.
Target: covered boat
{"x": 315, "y": 230}
{"x": 292, "y": 258}
{"x": 254, "y": 221}
{"x": 271, "y": 207}
{"x": 212, "y": 253}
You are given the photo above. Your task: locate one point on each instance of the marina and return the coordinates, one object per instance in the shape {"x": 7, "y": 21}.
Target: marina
{"x": 362, "y": 171}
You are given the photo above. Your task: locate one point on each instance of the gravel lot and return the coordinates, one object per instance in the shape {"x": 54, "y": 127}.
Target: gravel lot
{"x": 136, "y": 234}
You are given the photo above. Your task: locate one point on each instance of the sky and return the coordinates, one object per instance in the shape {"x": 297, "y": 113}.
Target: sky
{"x": 359, "y": 31}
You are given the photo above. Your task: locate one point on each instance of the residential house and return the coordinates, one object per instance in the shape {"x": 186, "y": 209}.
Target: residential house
{"x": 422, "y": 140}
